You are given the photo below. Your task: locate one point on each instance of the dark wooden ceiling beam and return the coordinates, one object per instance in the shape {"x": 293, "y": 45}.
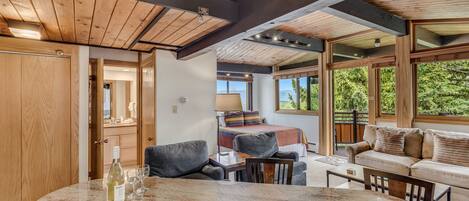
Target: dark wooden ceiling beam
{"x": 366, "y": 14}
{"x": 288, "y": 40}
{"x": 255, "y": 17}
{"x": 243, "y": 68}
{"x": 223, "y": 9}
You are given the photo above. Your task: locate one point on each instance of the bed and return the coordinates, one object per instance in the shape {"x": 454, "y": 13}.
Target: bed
{"x": 288, "y": 138}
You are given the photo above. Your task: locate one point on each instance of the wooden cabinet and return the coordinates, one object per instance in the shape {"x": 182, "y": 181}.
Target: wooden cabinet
{"x": 126, "y": 138}
{"x": 35, "y": 125}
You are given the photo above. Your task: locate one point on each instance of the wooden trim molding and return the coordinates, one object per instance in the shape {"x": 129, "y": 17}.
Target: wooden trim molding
{"x": 298, "y": 112}
{"x": 326, "y": 104}
{"x": 389, "y": 59}
{"x": 117, "y": 63}
{"x": 443, "y": 119}
{"x": 34, "y": 47}
{"x": 373, "y": 95}
{"x": 404, "y": 83}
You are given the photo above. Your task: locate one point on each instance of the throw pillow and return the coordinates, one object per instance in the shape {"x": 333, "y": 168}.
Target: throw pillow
{"x": 390, "y": 141}
{"x": 451, "y": 148}
{"x": 233, "y": 119}
{"x": 252, "y": 118}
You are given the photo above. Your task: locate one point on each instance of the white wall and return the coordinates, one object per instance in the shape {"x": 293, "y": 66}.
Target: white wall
{"x": 196, "y": 80}
{"x": 83, "y": 62}
{"x": 113, "y": 54}
{"x": 264, "y": 102}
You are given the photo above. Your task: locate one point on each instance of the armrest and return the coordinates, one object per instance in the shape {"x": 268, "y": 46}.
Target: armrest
{"x": 287, "y": 155}
{"x": 215, "y": 173}
{"x": 355, "y": 149}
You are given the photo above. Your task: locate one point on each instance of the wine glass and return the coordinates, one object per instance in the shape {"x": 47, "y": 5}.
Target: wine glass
{"x": 132, "y": 180}
{"x": 142, "y": 173}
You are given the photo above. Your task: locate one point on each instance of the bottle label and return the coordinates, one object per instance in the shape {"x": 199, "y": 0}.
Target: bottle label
{"x": 119, "y": 192}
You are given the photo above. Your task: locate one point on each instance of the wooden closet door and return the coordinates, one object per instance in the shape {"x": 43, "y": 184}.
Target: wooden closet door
{"x": 46, "y": 125}
{"x": 10, "y": 127}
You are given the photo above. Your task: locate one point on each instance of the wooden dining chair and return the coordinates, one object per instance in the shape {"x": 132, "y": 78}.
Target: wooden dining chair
{"x": 396, "y": 185}
{"x": 270, "y": 171}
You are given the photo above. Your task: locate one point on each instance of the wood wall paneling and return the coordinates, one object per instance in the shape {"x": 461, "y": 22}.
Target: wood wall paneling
{"x": 120, "y": 15}
{"x": 46, "y": 13}
{"x": 425, "y": 9}
{"x": 46, "y": 125}
{"x": 25, "y": 9}
{"x": 10, "y": 125}
{"x": 66, "y": 18}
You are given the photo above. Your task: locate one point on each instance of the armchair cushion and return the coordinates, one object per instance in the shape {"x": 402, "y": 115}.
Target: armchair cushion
{"x": 287, "y": 155}
{"x": 175, "y": 160}
{"x": 262, "y": 145}
{"x": 215, "y": 173}
{"x": 355, "y": 149}
{"x": 299, "y": 167}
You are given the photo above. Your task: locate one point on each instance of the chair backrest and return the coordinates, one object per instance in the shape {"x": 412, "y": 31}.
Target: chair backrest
{"x": 398, "y": 185}
{"x": 174, "y": 160}
{"x": 262, "y": 145}
{"x": 271, "y": 171}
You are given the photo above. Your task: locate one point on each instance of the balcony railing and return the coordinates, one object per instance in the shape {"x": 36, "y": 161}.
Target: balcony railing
{"x": 349, "y": 126}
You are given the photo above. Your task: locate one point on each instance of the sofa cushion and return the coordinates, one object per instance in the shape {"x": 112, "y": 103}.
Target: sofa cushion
{"x": 451, "y": 148}
{"x": 252, "y": 118}
{"x": 233, "y": 119}
{"x": 390, "y": 141}
{"x": 453, "y": 175}
{"x": 427, "y": 145}
{"x": 386, "y": 162}
{"x": 412, "y": 139}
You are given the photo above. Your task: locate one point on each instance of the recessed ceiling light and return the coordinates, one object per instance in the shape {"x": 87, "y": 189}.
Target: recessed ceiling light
{"x": 228, "y": 74}
{"x": 246, "y": 75}
{"x": 257, "y": 36}
{"x": 275, "y": 38}
{"x": 25, "y": 29}
{"x": 377, "y": 42}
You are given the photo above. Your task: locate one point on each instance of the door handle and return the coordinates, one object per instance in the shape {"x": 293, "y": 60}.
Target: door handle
{"x": 149, "y": 139}
{"x": 101, "y": 141}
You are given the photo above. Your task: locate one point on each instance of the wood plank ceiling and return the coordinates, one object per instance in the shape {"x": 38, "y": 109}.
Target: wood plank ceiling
{"x": 322, "y": 25}
{"x": 108, "y": 23}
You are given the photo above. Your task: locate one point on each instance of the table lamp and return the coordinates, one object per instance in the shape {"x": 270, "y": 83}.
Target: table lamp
{"x": 226, "y": 103}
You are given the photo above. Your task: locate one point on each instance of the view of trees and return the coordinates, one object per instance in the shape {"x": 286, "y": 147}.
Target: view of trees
{"x": 442, "y": 89}
{"x": 351, "y": 89}
{"x": 291, "y": 102}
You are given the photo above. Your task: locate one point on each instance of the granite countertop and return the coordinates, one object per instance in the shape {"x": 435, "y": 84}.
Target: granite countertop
{"x": 185, "y": 189}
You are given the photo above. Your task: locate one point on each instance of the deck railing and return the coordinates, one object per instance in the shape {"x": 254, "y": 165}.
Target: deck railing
{"x": 349, "y": 126}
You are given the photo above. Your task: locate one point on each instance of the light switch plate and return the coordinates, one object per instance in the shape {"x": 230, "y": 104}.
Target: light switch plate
{"x": 175, "y": 109}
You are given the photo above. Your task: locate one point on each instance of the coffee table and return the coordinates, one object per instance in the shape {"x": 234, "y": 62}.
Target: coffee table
{"x": 232, "y": 162}
{"x": 341, "y": 171}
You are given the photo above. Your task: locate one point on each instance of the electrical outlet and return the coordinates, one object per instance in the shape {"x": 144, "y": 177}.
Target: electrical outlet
{"x": 175, "y": 109}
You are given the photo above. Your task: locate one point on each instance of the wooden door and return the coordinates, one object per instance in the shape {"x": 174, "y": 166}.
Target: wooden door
{"x": 147, "y": 106}
{"x": 10, "y": 127}
{"x": 46, "y": 125}
{"x": 97, "y": 135}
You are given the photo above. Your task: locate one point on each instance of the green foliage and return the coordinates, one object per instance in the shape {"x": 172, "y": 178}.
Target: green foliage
{"x": 443, "y": 88}
{"x": 388, "y": 90}
{"x": 314, "y": 90}
{"x": 351, "y": 89}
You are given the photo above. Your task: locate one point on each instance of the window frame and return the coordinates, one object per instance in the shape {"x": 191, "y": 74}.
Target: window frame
{"x": 296, "y": 111}
{"x": 433, "y": 118}
{"x": 249, "y": 91}
{"x": 379, "y": 113}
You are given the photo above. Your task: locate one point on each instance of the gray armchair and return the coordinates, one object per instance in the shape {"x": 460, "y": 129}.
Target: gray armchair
{"x": 265, "y": 146}
{"x": 182, "y": 160}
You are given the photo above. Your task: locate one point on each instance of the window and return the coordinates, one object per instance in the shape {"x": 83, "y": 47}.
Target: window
{"x": 351, "y": 89}
{"x": 298, "y": 94}
{"x": 240, "y": 87}
{"x": 387, "y": 91}
{"x": 443, "y": 88}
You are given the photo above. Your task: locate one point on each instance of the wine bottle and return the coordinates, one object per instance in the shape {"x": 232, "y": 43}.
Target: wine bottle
{"x": 115, "y": 179}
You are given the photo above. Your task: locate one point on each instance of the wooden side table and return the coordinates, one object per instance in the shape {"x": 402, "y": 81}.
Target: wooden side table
{"x": 232, "y": 162}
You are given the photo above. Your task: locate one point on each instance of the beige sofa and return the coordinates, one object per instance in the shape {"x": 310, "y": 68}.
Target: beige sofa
{"x": 417, "y": 162}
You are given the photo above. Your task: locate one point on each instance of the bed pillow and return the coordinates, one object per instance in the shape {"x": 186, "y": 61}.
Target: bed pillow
{"x": 234, "y": 119}
{"x": 252, "y": 118}
{"x": 390, "y": 141}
